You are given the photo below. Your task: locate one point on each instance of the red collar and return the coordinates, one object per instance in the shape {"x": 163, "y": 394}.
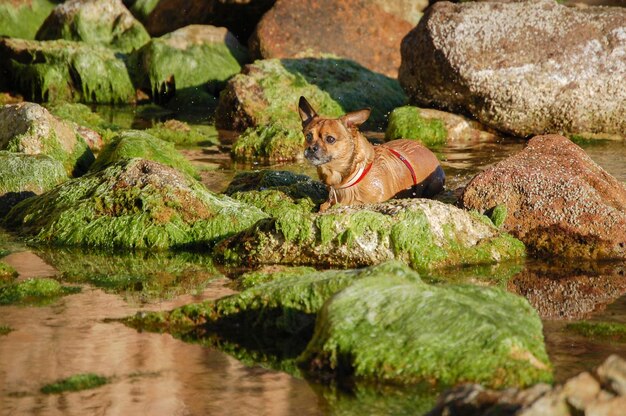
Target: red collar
{"x": 357, "y": 177}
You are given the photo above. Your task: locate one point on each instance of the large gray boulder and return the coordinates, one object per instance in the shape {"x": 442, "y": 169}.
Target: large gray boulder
{"x": 523, "y": 68}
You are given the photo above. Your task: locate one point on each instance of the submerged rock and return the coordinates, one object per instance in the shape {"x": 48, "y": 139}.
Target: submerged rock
{"x": 402, "y": 330}
{"x": 195, "y": 60}
{"x": 65, "y": 70}
{"x": 367, "y": 33}
{"x": 559, "y": 202}
{"x": 523, "y": 68}
{"x": 134, "y": 203}
{"x": 138, "y": 144}
{"x": 181, "y": 133}
{"x": 433, "y": 127}
{"x": 23, "y": 176}
{"x": 30, "y": 129}
{"x": 22, "y": 18}
{"x": 294, "y": 185}
{"x": 425, "y": 234}
{"x": 262, "y": 101}
{"x": 37, "y": 291}
{"x": 102, "y": 22}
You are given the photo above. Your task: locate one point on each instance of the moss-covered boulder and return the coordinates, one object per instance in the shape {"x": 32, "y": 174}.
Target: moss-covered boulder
{"x": 65, "y": 70}
{"x": 22, "y": 18}
{"x": 402, "y": 330}
{"x": 38, "y": 291}
{"x": 30, "y": 129}
{"x": 196, "y": 58}
{"x": 262, "y": 101}
{"x": 183, "y": 134}
{"x": 90, "y": 125}
{"x": 295, "y": 186}
{"x": 135, "y": 143}
{"x": 433, "y": 127}
{"x": 425, "y": 234}
{"x": 22, "y": 176}
{"x": 134, "y": 203}
{"x": 102, "y": 22}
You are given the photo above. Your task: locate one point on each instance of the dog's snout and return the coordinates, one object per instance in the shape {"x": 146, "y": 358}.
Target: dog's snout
{"x": 314, "y": 148}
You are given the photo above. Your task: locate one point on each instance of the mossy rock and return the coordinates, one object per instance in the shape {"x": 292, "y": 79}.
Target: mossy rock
{"x": 135, "y": 203}
{"x": 407, "y": 123}
{"x": 402, "y": 330}
{"x": 138, "y": 277}
{"x": 138, "y": 144}
{"x": 82, "y": 115}
{"x": 102, "y": 22}
{"x": 7, "y": 273}
{"x": 38, "y": 291}
{"x": 62, "y": 70}
{"x": 22, "y": 18}
{"x": 613, "y": 331}
{"x": 262, "y": 101}
{"x": 30, "y": 129}
{"x": 296, "y": 186}
{"x": 23, "y": 176}
{"x": 196, "y": 57}
{"x": 182, "y": 134}
{"x": 76, "y": 382}
{"x": 286, "y": 304}
{"x": 425, "y": 234}
{"x": 270, "y": 273}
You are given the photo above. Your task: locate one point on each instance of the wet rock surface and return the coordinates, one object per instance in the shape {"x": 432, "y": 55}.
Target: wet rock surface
{"x": 559, "y": 202}
{"x": 366, "y": 33}
{"x": 600, "y": 392}
{"x": 195, "y": 60}
{"x": 30, "y": 129}
{"x": 134, "y": 203}
{"x": 523, "y": 68}
{"x": 423, "y": 233}
{"x": 102, "y": 22}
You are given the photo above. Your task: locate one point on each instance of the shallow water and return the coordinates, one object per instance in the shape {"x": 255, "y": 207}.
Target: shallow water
{"x": 157, "y": 374}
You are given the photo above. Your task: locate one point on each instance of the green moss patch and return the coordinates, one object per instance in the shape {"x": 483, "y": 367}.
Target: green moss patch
{"x": 5, "y": 330}
{"x": 613, "y": 331}
{"x": 7, "y": 273}
{"x": 407, "y": 123}
{"x": 425, "y": 234}
{"x": 263, "y": 99}
{"x": 22, "y": 18}
{"x": 405, "y": 331}
{"x": 135, "y": 203}
{"x": 294, "y": 185}
{"x": 139, "y": 277}
{"x": 182, "y": 134}
{"x": 65, "y": 70}
{"x": 139, "y": 144}
{"x": 22, "y": 176}
{"x": 83, "y": 116}
{"x": 269, "y": 274}
{"x": 76, "y": 382}
{"x": 196, "y": 57}
{"x": 34, "y": 291}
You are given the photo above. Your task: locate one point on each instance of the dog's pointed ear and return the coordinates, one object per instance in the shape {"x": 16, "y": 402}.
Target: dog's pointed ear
{"x": 306, "y": 111}
{"x": 356, "y": 118}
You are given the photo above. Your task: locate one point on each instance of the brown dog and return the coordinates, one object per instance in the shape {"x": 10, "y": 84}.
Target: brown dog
{"x": 357, "y": 172}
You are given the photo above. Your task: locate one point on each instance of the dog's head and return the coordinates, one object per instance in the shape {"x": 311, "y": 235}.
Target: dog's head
{"x": 327, "y": 140}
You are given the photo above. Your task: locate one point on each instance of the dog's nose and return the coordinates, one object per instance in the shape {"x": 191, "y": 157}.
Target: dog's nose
{"x": 314, "y": 148}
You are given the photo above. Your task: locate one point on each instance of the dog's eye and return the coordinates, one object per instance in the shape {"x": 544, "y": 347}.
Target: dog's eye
{"x": 309, "y": 137}
{"x": 330, "y": 139}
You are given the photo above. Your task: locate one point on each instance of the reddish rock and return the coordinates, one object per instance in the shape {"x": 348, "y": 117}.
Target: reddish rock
{"x": 559, "y": 202}
{"x": 355, "y": 29}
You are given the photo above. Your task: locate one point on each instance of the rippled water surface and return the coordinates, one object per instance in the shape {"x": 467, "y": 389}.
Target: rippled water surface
{"x": 156, "y": 374}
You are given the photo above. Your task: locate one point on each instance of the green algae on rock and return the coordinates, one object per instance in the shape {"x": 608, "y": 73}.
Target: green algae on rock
{"x": 613, "y": 331}
{"x": 5, "y": 330}
{"x": 425, "y": 234}
{"x": 138, "y": 144}
{"x": 22, "y": 176}
{"x": 59, "y": 70}
{"x": 404, "y": 331}
{"x": 102, "y": 22}
{"x": 139, "y": 276}
{"x": 264, "y": 97}
{"x": 296, "y": 186}
{"x": 407, "y": 123}
{"x": 182, "y": 134}
{"x": 270, "y": 273}
{"x": 196, "y": 57}
{"x": 22, "y": 18}
{"x": 76, "y": 382}
{"x": 7, "y": 273}
{"x": 30, "y": 129}
{"x": 83, "y": 116}
{"x": 132, "y": 204}
{"x": 37, "y": 291}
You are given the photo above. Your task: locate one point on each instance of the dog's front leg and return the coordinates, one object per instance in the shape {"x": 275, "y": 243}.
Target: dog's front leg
{"x": 332, "y": 199}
